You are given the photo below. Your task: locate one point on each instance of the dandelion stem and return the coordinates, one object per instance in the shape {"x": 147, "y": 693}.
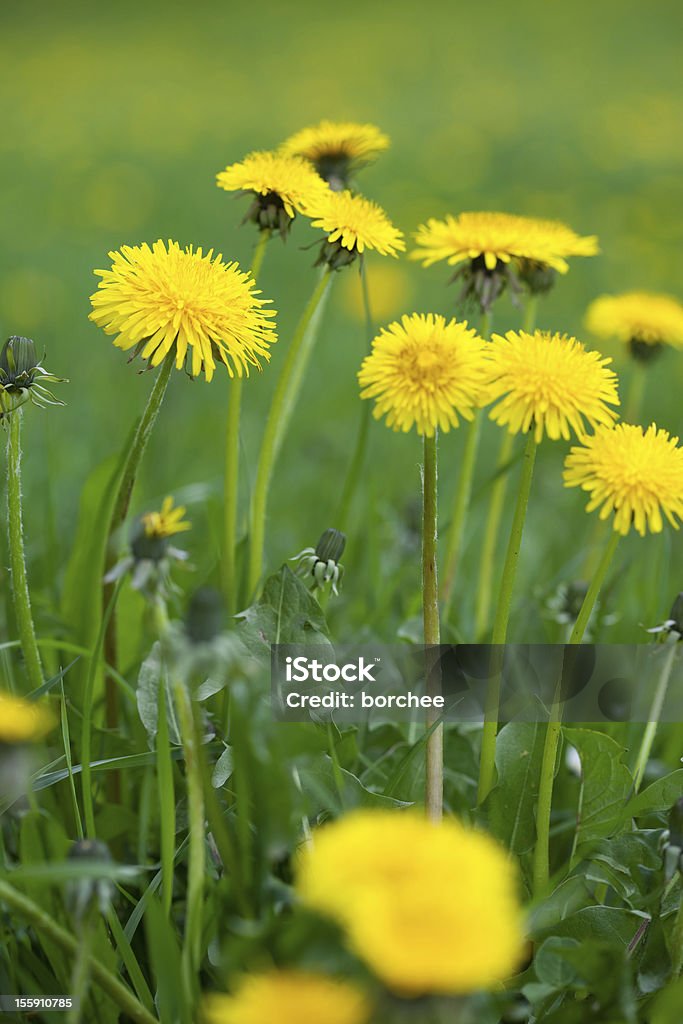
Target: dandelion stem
{"x": 45, "y": 925}
{"x": 502, "y": 618}
{"x": 541, "y": 857}
{"x": 17, "y": 557}
{"x": 677, "y": 943}
{"x": 492, "y": 529}
{"x": 281, "y": 408}
{"x": 191, "y": 952}
{"x": 119, "y": 513}
{"x": 464, "y": 491}
{"x": 232, "y": 459}
{"x": 654, "y": 716}
{"x": 358, "y": 459}
{"x": 432, "y": 633}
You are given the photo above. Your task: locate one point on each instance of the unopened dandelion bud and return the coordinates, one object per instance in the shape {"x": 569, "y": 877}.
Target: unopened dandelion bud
{"x": 538, "y": 277}
{"x": 92, "y": 892}
{"x": 205, "y": 616}
{"x": 18, "y": 356}
{"x": 22, "y": 378}
{"x": 331, "y": 545}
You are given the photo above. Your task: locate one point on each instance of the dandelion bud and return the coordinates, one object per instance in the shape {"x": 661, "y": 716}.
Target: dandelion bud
{"x": 91, "y": 892}
{"x": 321, "y": 563}
{"x": 331, "y": 545}
{"x": 18, "y": 356}
{"x": 205, "y": 616}
{"x": 538, "y": 277}
{"x": 644, "y": 351}
{"x": 22, "y": 377}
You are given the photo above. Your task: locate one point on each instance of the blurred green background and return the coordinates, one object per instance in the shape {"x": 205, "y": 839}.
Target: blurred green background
{"x": 115, "y": 122}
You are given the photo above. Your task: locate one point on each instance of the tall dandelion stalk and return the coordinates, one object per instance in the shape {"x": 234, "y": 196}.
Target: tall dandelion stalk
{"x": 232, "y": 461}
{"x": 22, "y": 380}
{"x": 352, "y": 225}
{"x": 17, "y": 556}
{"x": 540, "y": 384}
{"x": 425, "y": 373}
{"x": 636, "y": 477}
{"x": 496, "y": 506}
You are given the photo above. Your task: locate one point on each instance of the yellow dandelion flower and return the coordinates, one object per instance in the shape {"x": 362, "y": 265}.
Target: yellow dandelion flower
{"x": 642, "y": 319}
{"x": 167, "y": 521}
{"x": 492, "y": 250}
{"x": 425, "y": 372}
{"x": 162, "y": 298}
{"x": 22, "y": 721}
{"x": 282, "y": 186}
{"x": 288, "y": 997}
{"x": 500, "y": 238}
{"x": 336, "y": 148}
{"x": 549, "y": 383}
{"x": 431, "y": 908}
{"x": 353, "y": 224}
{"x": 635, "y": 474}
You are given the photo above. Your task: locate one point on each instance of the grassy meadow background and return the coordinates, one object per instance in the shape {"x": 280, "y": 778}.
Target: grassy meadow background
{"x": 116, "y": 119}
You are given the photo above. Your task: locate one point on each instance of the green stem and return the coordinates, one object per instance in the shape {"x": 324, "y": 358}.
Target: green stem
{"x": 232, "y": 459}
{"x": 358, "y": 458}
{"x": 541, "y": 857}
{"x": 654, "y": 716}
{"x": 463, "y": 492}
{"x": 430, "y": 610}
{"x": 586, "y": 610}
{"x": 487, "y": 764}
{"x": 677, "y": 943}
{"x": 17, "y": 557}
{"x": 194, "y": 913}
{"x": 492, "y": 529}
{"x": 86, "y": 729}
{"x": 462, "y": 502}
{"x": 80, "y": 974}
{"x": 281, "y": 408}
{"x": 119, "y": 513}
{"x": 44, "y": 924}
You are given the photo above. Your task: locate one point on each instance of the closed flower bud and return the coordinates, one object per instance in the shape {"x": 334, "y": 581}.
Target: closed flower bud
{"x": 22, "y": 377}
{"x": 205, "y": 616}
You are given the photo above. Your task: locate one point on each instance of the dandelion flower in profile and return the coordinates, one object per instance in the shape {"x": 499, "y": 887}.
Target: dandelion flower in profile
{"x": 163, "y": 299}
{"x": 425, "y": 373}
{"x": 288, "y": 997}
{"x": 492, "y": 250}
{"x": 280, "y": 185}
{"x": 644, "y": 321}
{"x": 550, "y": 384}
{"x": 353, "y": 224}
{"x": 22, "y": 721}
{"x": 635, "y": 474}
{"x": 431, "y": 908}
{"x": 337, "y": 148}
{"x": 151, "y": 552}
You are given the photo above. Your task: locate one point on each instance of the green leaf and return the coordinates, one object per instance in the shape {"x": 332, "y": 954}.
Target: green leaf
{"x": 164, "y": 953}
{"x": 605, "y": 785}
{"x": 287, "y": 613}
{"x": 340, "y": 790}
{"x": 147, "y": 696}
{"x": 666, "y": 1008}
{"x": 222, "y": 770}
{"x": 660, "y": 796}
{"x": 550, "y": 965}
{"x": 511, "y": 805}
